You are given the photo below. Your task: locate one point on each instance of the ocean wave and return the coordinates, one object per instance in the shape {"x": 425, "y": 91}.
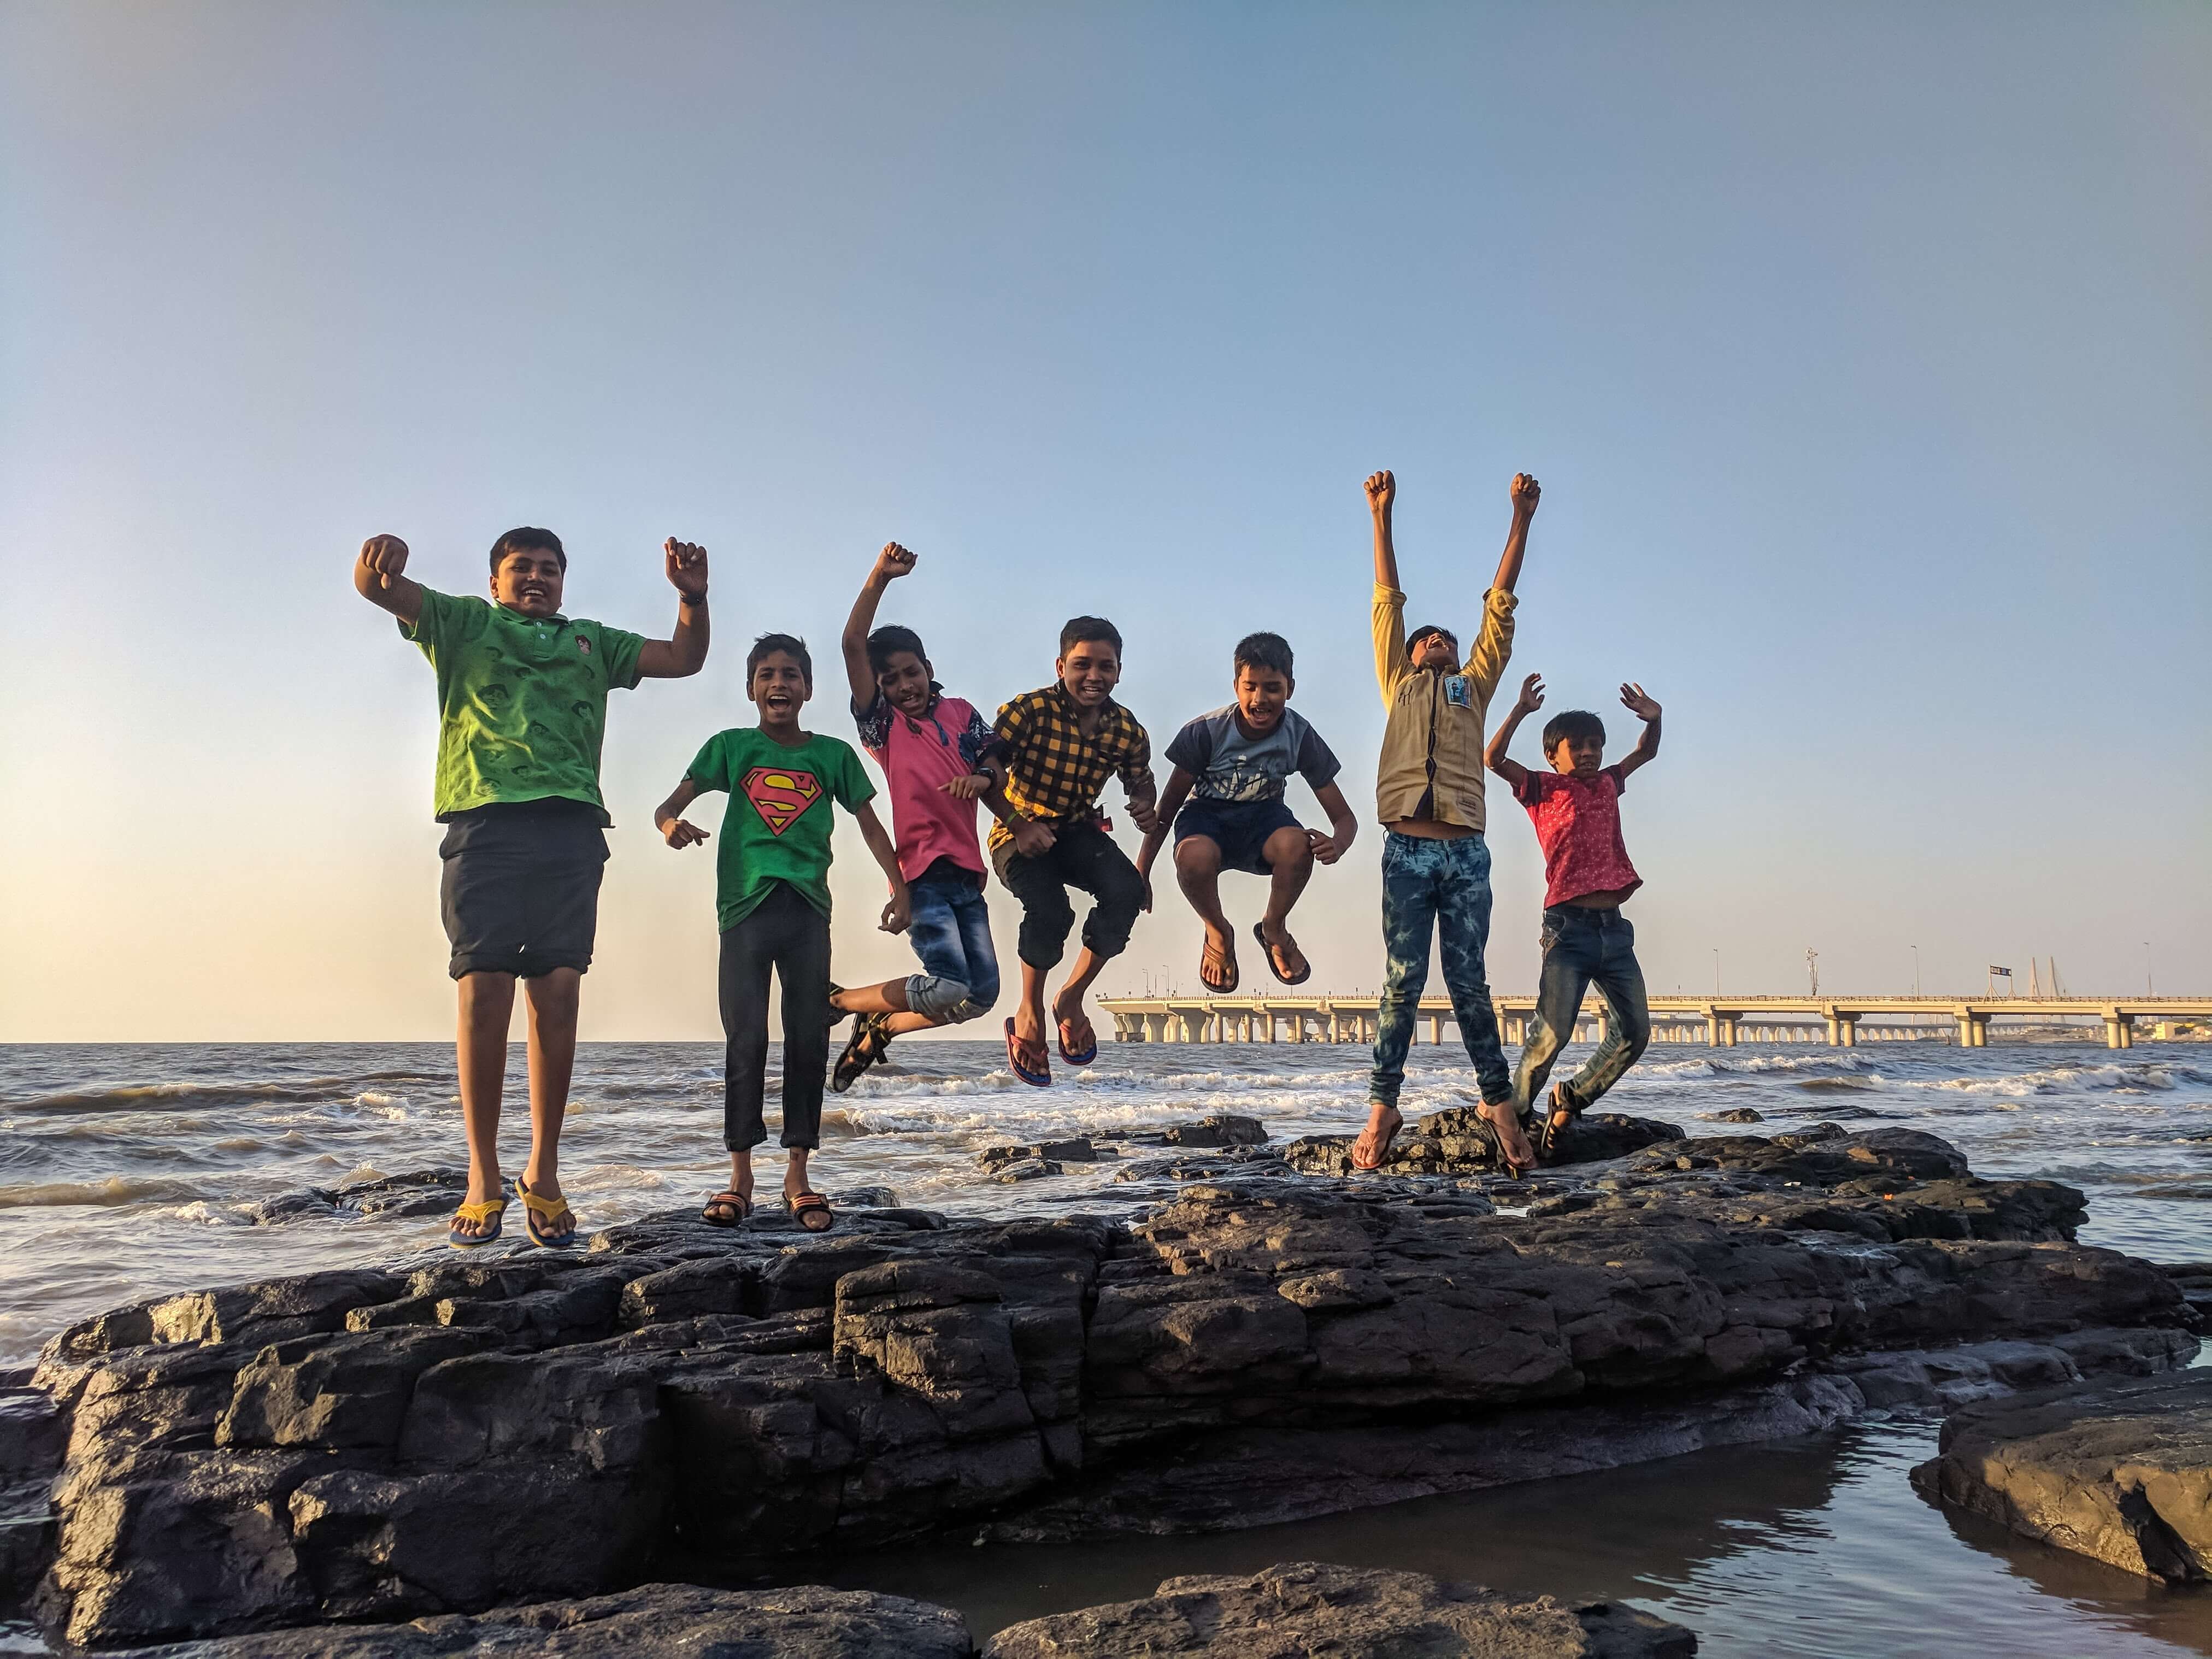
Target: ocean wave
{"x": 2136, "y": 1078}
{"x": 215, "y": 1215}
{"x": 115, "y": 1191}
{"x": 139, "y": 1095}
{"x": 1739, "y": 1065}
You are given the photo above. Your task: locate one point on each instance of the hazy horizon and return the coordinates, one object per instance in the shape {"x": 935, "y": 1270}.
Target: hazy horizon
{"x": 1863, "y": 356}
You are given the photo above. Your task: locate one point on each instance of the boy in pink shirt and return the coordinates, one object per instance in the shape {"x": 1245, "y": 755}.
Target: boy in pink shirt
{"x": 1576, "y": 807}
{"x": 934, "y": 753}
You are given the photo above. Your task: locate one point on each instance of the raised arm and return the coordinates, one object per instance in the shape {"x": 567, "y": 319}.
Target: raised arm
{"x": 1633, "y": 699}
{"x": 1382, "y": 494}
{"x": 377, "y": 578}
{"x": 1525, "y": 492}
{"x": 1530, "y": 699}
{"x": 1391, "y": 663}
{"x": 1180, "y": 780}
{"x": 685, "y": 652}
{"x": 898, "y": 911}
{"x": 668, "y": 817}
{"x": 891, "y": 563}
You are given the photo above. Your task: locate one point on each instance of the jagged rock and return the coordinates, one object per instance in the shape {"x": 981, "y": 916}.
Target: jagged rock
{"x": 1215, "y": 1129}
{"x": 1458, "y": 1141}
{"x": 2121, "y": 1472}
{"x": 1740, "y": 1114}
{"x": 1306, "y": 1608}
{"x": 376, "y": 1445}
{"x": 1077, "y": 1151}
{"x": 1028, "y": 1168}
{"x": 655, "y": 1621}
{"x": 33, "y": 1435}
{"x": 1921, "y": 1378}
{"x": 1206, "y": 1166}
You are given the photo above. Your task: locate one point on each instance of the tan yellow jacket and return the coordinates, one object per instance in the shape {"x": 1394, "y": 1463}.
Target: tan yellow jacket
{"x": 1435, "y": 720}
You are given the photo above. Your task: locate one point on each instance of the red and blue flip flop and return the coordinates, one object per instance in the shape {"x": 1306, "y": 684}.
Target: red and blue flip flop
{"x": 1069, "y": 1055}
{"x": 1035, "y": 1079}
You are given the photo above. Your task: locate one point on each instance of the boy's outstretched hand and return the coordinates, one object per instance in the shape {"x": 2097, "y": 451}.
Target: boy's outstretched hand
{"x": 1526, "y": 493}
{"x": 1381, "y": 490}
{"x": 681, "y": 832}
{"x": 687, "y": 568}
{"x": 1532, "y": 694}
{"x": 891, "y": 563}
{"x": 969, "y": 786}
{"x": 386, "y": 555}
{"x": 1633, "y": 699}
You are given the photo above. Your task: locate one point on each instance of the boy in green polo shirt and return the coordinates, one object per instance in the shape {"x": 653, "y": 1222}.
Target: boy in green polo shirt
{"x": 772, "y": 903}
{"x": 522, "y": 702}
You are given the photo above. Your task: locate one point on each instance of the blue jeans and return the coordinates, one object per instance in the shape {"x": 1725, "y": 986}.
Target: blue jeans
{"x": 951, "y": 932}
{"x": 1426, "y": 883}
{"x": 1585, "y": 947}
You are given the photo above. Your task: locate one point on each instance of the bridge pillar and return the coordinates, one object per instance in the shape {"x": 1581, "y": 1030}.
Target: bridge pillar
{"x": 1436, "y": 1030}
{"x": 1155, "y": 1028}
{"x": 2119, "y": 1030}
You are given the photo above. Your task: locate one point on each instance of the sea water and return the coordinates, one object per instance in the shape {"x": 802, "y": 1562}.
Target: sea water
{"x": 128, "y": 1171}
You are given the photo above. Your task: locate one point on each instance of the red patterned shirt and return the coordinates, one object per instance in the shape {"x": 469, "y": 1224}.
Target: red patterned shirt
{"x": 1578, "y": 826}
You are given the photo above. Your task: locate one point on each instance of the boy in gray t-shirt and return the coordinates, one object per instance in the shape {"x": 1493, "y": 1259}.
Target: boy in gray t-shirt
{"x": 1230, "y": 769}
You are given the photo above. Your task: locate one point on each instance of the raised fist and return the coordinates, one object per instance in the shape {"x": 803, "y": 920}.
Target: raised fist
{"x": 892, "y": 562}
{"x": 1526, "y": 493}
{"x": 386, "y": 555}
{"x": 1381, "y": 490}
{"x": 687, "y": 568}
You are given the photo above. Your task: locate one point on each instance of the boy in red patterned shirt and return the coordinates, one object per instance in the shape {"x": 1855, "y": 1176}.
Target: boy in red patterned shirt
{"x": 1576, "y": 807}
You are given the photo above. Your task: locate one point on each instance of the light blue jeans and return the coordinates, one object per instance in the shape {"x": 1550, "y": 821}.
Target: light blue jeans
{"x": 1429, "y": 884}
{"x": 1585, "y": 947}
{"x": 950, "y": 929}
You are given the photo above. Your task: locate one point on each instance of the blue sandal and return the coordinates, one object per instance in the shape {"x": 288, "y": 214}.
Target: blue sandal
{"x": 493, "y": 1210}
{"x": 549, "y": 1209}
{"x": 1035, "y": 1079}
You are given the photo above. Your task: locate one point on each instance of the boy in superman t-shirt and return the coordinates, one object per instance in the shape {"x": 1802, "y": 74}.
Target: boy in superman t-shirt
{"x": 772, "y": 902}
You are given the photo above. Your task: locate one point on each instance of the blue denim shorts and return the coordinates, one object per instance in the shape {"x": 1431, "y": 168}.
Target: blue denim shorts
{"x": 1239, "y": 827}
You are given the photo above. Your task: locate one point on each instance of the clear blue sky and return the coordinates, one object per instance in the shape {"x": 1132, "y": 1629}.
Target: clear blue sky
{"x": 1865, "y": 354}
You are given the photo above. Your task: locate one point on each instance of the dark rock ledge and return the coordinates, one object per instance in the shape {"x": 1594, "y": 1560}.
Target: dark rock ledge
{"x": 385, "y": 1444}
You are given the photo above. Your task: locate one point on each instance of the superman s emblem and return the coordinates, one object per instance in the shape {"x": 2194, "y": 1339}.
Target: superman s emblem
{"x": 781, "y": 795}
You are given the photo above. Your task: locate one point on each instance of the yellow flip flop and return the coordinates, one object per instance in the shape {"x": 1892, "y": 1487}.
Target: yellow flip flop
{"x": 491, "y": 1209}
{"x": 535, "y": 1208}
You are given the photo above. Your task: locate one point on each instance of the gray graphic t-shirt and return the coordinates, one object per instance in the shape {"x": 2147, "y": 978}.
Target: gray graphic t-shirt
{"x": 1232, "y": 765}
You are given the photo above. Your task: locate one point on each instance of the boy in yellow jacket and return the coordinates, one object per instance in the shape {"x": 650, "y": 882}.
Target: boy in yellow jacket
{"x": 1428, "y": 792}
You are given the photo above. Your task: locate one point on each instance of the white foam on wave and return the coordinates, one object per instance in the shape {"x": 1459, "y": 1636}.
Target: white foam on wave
{"x": 2137, "y": 1078}
{"x": 215, "y": 1215}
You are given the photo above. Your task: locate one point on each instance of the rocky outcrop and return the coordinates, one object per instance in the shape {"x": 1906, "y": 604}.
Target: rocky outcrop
{"x": 1307, "y": 1607}
{"x": 2121, "y": 1472}
{"x": 1458, "y": 1141}
{"x": 32, "y": 1435}
{"x": 655, "y": 1621}
{"x": 381, "y": 1445}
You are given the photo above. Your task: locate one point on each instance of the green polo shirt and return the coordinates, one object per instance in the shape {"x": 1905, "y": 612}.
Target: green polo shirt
{"x": 522, "y": 701}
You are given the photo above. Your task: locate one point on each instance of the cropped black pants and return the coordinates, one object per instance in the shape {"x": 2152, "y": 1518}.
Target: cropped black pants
{"x": 789, "y": 936}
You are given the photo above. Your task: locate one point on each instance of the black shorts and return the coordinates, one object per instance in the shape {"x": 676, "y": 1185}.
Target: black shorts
{"x": 520, "y": 893}
{"x": 1239, "y": 827}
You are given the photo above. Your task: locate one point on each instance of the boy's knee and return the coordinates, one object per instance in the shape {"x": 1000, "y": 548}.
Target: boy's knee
{"x": 1198, "y": 855}
{"x": 1288, "y": 847}
{"x": 940, "y": 1000}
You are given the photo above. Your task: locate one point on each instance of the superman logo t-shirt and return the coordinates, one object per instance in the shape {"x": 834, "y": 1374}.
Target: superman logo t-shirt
{"x": 778, "y": 824}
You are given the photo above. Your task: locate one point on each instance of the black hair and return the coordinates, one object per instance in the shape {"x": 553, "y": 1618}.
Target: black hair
{"x": 527, "y": 538}
{"x": 891, "y": 638}
{"x": 1265, "y": 651}
{"x": 1081, "y": 630}
{"x": 791, "y": 645}
{"x": 1572, "y": 723}
{"x": 1413, "y": 640}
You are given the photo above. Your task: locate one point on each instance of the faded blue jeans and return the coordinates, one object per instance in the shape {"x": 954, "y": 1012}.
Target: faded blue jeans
{"x": 951, "y": 931}
{"x": 1585, "y": 947}
{"x": 1428, "y": 884}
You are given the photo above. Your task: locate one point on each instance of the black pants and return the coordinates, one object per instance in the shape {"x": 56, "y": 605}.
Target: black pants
{"x": 791, "y": 936}
{"x": 1082, "y": 855}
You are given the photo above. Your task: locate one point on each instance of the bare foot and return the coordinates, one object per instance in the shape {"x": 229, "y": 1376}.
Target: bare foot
{"x": 1373, "y": 1146}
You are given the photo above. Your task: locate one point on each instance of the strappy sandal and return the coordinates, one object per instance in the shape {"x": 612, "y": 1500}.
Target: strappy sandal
{"x": 1275, "y": 962}
{"x": 1227, "y": 957}
{"x": 1397, "y": 1122}
{"x": 539, "y": 1213}
{"x": 870, "y": 1042}
{"x": 1072, "y": 1055}
{"x": 808, "y": 1204}
{"x": 493, "y": 1210}
{"x": 1505, "y": 1159}
{"x": 1556, "y": 1135}
{"x": 735, "y": 1206}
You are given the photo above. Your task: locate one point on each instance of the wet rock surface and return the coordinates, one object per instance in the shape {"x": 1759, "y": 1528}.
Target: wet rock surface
{"x": 1459, "y": 1141}
{"x": 655, "y": 1621}
{"x": 386, "y": 1445}
{"x": 2121, "y": 1472}
{"x": 1305, "y": 1607}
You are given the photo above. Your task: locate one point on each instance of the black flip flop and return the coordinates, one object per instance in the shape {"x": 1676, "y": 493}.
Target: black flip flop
{"x": 807, "y": 1204}
{"x": 726, "y": 1200}
{"x": 1259, "y": 932}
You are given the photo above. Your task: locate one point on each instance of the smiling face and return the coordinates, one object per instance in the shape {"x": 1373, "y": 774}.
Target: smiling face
{"x": 1089, "y": 670}
{"x": 1261, "y": 694}
{"x": 529, "y": 581}
{"x": 1582, "y": 756}
{"x": 1437, "y": 653}
{"x": 779, "y": 690}
{"x": 904, "y": 681}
